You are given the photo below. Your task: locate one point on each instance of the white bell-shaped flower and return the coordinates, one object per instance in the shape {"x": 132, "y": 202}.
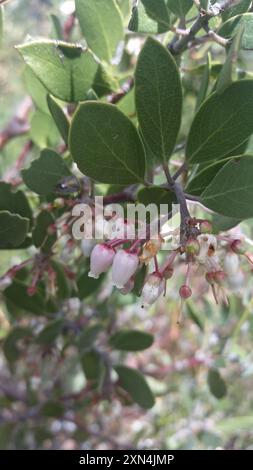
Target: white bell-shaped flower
{"x": 124, "y": 267}
{"x": 152, "y": 288}
{"x": 101, "y": 259}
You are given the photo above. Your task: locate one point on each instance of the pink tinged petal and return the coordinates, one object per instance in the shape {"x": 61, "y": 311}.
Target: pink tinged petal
{"x": 124, "y": 267}
{"x": 101, "y": 259}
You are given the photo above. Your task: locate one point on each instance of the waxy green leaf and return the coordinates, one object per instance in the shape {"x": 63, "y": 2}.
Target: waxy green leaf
{"x": 105, "y": 144}
{"x": 222, "y": 123}
{"x": 45, "y": 173}
{"x": 230, "y": 193}
{"x": 158, "y": 95}
{"x": 102, "y": 26}
{"x": 135, "y": 384}
{"x": 66, "y": 70}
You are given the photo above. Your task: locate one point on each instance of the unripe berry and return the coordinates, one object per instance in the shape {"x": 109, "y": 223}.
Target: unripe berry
{"x": 237, "y": 246}
{"x": 231, "y": 263}
{"x": 124, "y": 266}
{"x": 101, "y": 259}
{"x": 192, "y": 247}
{"x": 205, "y": 227}
{"x": 152, "y": 288}
{"x": 185, "y": 292}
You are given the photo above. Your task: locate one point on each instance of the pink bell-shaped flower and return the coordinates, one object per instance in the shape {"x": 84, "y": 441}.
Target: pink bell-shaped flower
{"x": 152, "y": 288}
{"x": 124, "y": 267}
{"x": 101, "y": 259}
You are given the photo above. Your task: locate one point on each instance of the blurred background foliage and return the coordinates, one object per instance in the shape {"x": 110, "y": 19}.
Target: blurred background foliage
{"x": 201, "y": 371}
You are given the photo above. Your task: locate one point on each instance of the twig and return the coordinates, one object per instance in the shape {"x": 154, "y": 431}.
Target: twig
{"x": 126, "y": 88}
{"x": 18, "y": 125}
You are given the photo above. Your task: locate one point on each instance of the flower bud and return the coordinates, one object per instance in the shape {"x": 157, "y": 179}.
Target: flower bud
{"x": 231, "y": 263}
{"x": 101, "y": 259}
{"x": 87, "y": 246}
{"x": 192, "y": 247}
{"x": 205, "y": 227}
{"x": 124, "y": 266}
{"x": 237, "y": 246}
{"x": 152, "y": 288}
{"x": 185, "y": 292}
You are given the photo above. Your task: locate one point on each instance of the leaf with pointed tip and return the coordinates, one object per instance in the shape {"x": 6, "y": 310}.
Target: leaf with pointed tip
{"x": 102, "y": 26}
{"x": 230, "y": 193}
{"x": 105, "y": 144}
{"x": 223, "y": 122}
{"x": 13, "y": 229}
{"x": 66, "y": 70}
{"x": 158, "y": 94}
{"x": 45, "y": 172}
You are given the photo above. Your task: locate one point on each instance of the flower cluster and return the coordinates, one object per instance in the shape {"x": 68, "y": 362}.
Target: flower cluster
{"x": 216, "y": 256}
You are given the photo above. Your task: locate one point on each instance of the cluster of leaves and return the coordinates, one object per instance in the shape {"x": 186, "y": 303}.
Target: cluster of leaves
{"x": 116, "y": 139}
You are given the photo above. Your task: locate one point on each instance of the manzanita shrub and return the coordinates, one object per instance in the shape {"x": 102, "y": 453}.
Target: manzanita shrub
{"x": 144, "y": 103}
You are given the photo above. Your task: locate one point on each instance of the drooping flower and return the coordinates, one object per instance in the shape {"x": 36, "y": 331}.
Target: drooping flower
{"x": 153, "y": 288}
{"x": 101, "y": 259}
{"x": 124, "y": 267}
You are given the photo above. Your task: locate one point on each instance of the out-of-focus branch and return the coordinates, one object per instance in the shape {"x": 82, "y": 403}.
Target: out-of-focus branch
{"x": 18, "y": 125}
{"x": 126, "y": 87}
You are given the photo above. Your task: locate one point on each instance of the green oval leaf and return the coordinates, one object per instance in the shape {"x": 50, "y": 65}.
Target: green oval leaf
{"x": 66, "y": 70}
{"x": 105, "y": 144}
{"x": 102, "y": 26}
{"x": 141, "y": 22}
{"x": 158, "y": 95}
{"x": 13, "y": 229}
{"x": 135, "y": 384}
{"x": 131, "y": 340}
{"x": 230, "y": 193}
{"x": 216, "y": 384}
{"x": 45, "y": 173}
{"x": 223, "y": 122}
